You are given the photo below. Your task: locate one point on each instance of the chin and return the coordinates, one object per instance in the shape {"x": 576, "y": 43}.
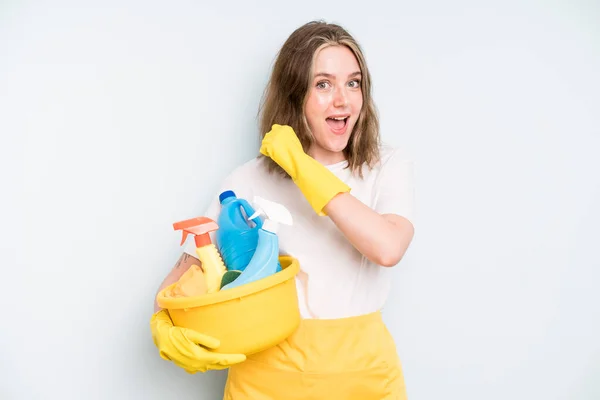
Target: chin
{"x": 337, "y": 143}
{"x": 339, "y": 148}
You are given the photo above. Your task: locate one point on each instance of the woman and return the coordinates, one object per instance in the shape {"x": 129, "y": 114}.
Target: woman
{"x": 352, "y": 202}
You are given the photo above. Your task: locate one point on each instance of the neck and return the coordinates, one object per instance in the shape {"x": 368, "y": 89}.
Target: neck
{"x": 327, "y": 157}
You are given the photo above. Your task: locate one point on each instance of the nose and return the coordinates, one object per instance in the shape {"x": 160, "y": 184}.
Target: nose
{"x": 340, "y": 98}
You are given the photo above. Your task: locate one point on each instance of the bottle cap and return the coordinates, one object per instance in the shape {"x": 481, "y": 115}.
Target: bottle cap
{"x": 226, "y": 194}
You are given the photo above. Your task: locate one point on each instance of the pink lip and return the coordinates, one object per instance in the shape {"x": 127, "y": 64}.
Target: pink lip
{"x": 339, "y": 132}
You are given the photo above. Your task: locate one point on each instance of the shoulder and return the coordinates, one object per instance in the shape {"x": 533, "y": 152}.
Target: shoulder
{"x": 247, "y": 177}
{"x": 391, "y": 158}
{"x": 250, "y": 169}
{"x": 389, "y": 153}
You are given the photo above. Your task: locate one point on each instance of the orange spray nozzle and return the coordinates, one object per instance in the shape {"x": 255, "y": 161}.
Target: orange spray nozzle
{"x": 200, "y": 227}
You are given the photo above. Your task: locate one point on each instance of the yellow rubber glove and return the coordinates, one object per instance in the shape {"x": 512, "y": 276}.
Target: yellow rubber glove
{"x": 188, "y": 349}
{"x": 318, "y": 184}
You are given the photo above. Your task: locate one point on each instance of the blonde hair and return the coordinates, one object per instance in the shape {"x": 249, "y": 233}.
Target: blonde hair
{"x": 288, "y": 87}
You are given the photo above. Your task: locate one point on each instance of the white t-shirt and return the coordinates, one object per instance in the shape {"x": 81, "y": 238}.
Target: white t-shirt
{"x": 335, "y": 280}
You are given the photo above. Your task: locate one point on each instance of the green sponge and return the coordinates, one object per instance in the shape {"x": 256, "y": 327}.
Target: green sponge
{"x": 229, "y": 277}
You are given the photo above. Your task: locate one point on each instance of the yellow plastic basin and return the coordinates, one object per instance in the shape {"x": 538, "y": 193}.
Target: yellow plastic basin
{"x": 246, "y": 319}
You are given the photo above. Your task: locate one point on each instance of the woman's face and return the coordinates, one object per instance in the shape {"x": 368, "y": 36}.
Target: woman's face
{"x": 334, "y": 102}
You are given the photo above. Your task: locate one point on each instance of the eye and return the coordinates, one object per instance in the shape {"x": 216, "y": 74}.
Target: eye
{"x": 322, "y": 85}
{"x": 354, "y": 83}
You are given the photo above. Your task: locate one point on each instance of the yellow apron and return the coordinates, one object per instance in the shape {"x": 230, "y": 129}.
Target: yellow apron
{"x": 340, "y": 359}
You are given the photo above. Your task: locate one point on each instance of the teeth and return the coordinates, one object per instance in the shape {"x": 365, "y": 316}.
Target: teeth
{"x": 338, "y": 118}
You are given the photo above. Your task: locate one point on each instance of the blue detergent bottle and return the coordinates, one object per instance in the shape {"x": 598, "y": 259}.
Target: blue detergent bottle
{"x": 266, "y": 257}
{"x": 236, "y": 238}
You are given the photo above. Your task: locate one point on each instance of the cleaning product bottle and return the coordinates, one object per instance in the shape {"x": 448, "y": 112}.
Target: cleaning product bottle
{"x": 212, "y": 264}
{"x": 236, "y": 238}
{"x": 265, "y": 260}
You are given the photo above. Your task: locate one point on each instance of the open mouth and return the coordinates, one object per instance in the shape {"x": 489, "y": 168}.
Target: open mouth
{"x": 337, "y": 123}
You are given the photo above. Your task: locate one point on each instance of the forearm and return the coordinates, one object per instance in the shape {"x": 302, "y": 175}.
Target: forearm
{"x": 183, "y": 264}
{"x": 383, "y": 239}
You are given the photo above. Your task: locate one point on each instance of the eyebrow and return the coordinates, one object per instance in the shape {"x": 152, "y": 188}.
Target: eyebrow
{"x": 330, "y": 76}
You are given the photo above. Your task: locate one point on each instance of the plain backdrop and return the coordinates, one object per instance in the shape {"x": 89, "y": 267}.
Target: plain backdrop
{"x": 118, "y": 118}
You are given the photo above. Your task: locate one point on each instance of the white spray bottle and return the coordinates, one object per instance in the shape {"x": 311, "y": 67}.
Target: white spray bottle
{"x": 265, "y": 260}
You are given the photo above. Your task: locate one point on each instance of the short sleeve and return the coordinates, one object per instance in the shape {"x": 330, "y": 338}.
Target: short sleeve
{"x": 395, "y": 187}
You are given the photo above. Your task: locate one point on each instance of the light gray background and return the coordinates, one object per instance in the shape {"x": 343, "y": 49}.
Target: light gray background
{"x": 120, "y": 118}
